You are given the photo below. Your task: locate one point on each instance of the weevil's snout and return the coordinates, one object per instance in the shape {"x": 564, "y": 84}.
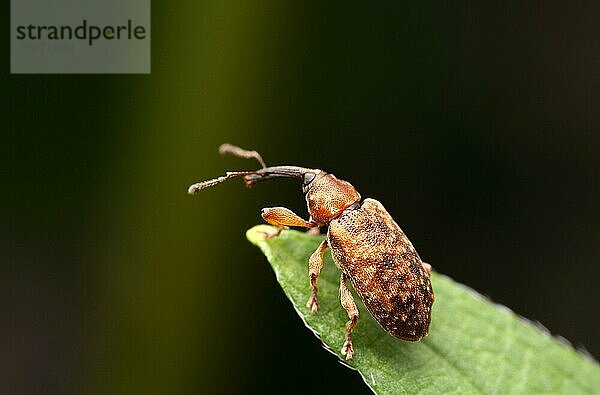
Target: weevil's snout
{"x": 327, "y": 197}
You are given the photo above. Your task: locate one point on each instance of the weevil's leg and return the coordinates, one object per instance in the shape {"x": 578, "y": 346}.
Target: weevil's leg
{"x": 315, "y": 264}
{"x": 314, "y": 231}
{"x": 282, "y": 217}
{"x": 350, "y": 307}
{"x": 268, "y": 235}
{"x": 427, "y": 267}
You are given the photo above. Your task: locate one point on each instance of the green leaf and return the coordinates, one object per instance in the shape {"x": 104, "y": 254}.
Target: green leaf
{"x": 474, "y": 346}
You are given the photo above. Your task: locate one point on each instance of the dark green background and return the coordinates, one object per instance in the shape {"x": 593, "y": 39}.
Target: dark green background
{"x": 476, "y": 126}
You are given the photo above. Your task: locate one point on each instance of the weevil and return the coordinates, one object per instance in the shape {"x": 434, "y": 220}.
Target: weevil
{"x": 365, "y": 242}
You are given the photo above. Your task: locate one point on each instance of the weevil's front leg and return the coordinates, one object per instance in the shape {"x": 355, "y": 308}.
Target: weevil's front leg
{"x": 350, "y": 307}
{"x": 282, "y": 217}
{"x": 314, "y": 231}
{"x": 315, "y": 264}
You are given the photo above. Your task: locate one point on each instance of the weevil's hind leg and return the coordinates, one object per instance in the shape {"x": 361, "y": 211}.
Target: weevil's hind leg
{"x": 350, "y": 307}
{"x": 315, "y": 264}
{"x": 282, "y": 217}
{"x": 427, "y": 267}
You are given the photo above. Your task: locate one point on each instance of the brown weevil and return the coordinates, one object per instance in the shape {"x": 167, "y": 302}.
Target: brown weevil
{"x": 366, "y": 244}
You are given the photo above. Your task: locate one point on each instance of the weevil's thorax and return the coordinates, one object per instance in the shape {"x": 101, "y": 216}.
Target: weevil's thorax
{"x": 327, "y": 197}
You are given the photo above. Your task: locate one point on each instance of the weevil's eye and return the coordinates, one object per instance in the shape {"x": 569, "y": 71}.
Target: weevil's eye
{"x": 308, "y": 178}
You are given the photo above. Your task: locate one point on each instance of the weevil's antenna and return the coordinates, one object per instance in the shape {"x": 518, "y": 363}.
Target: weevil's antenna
{"x": 197, "y": 187}
{"x": 242, "y": 153}
{"x": 252, "y": 177}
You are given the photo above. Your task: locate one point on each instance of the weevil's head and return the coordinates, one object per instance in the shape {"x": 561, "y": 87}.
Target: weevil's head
{"x": 327, "y": 196}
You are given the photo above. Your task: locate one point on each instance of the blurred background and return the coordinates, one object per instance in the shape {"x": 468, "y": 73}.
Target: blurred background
{"x": 476, "y": 126}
